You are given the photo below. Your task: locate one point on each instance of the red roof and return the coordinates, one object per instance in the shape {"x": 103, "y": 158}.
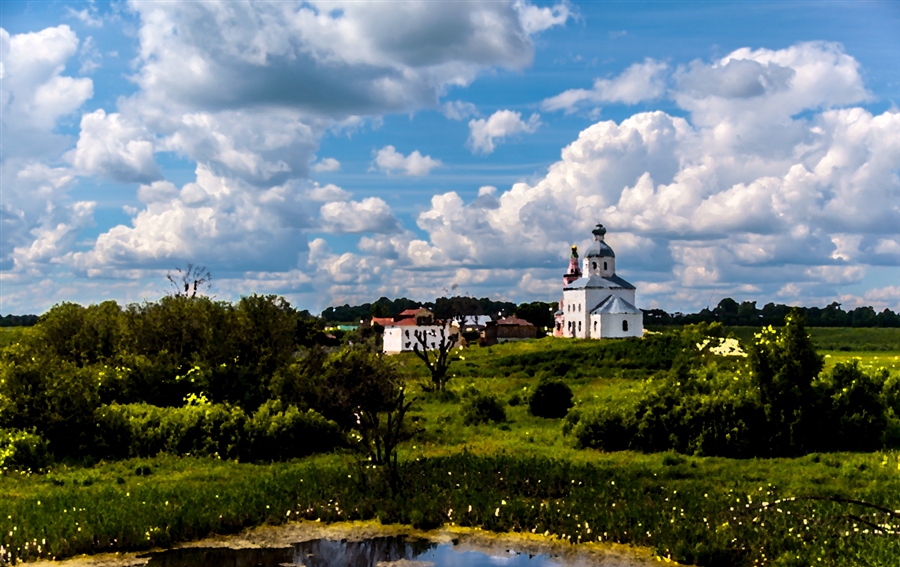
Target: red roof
{"x": 514, "y": 321}
{"x": 383, "y": 321}
{"x": 409, "y": 312}
{"x": 408, "y": 322}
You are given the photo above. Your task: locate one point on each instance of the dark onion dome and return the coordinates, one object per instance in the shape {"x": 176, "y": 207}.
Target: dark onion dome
{"x": 599, "y": 248}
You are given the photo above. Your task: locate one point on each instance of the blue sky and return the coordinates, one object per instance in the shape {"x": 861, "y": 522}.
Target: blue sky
{"x": 335, "y": 152}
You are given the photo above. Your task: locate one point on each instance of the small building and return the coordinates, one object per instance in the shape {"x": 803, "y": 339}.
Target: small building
{"x": 596, "y": 302}
{"x": 421, "y": 316}
{"x": 507, "y": 329}
{"x": 405, "y": 334}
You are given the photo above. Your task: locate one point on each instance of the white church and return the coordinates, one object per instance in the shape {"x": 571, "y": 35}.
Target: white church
{"x": 596, "y": 303}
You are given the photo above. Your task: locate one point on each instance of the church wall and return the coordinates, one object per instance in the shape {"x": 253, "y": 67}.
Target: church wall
{"x": 610, "y": 325}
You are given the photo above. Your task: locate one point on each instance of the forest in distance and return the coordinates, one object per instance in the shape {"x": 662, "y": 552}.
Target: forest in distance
{"x": 727, "y": 311}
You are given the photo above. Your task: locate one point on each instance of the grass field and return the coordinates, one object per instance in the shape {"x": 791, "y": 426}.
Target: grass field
{"x": 840, "y": 338}
{"x": 521, "y": 475}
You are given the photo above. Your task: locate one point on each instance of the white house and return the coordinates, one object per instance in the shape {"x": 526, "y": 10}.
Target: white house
{"x": 597, "y": 303}
{"x": 403, "y": 336}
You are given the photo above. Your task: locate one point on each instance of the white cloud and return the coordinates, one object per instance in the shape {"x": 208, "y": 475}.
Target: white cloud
{"x": 369, "y": 215}
{"x": 112, "y": 146}
{"x": 326, "y": 164}
{"x": 363, "y": 58}
{"x": 34, "y": 93}
{"x": 459, "y": 110}
{"x": 389, "y": 160}
{"x": 637, "y": 83}
{"x": 695, "y": 206}
{"x": 484, "y": 132}
{"x": 535, "y": 19}
{"x": 221, "y": 222}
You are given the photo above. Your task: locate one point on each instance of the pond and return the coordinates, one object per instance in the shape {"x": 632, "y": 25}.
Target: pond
{"x": 389, "y": 551}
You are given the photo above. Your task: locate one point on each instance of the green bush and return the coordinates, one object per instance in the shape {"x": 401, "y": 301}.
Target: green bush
{"x": 142, "y": 430}
{"x": 200, "y": 428}
{"x": 551, "y": 399}
{"x": 277, "y": 432}
{"x": 22, "y": 450}
{"x": 483, "y": 408}
{"x": 857, "y": 412}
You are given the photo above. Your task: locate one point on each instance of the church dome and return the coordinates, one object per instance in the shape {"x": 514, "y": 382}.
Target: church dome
{"x": 599, "y": 248}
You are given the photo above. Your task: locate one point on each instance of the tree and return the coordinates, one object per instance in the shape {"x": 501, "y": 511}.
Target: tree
{"x": 363, "y": 391}
{"x": 192, "y": 280}
{"x": 438, "y": 359}
{"x": 538, "y": 313}
{"x": 784, "y": 364}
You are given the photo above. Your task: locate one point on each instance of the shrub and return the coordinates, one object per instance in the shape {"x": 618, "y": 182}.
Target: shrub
{"x": 200, "y": 428}
{"x": 483, "y": 408}
{"x": 22, "y": 450}
{"x": 551, "y": 399}
{"x": 142, "y": 430}
{"x": 282, "y": 432}
{"x": 857, "y": 413}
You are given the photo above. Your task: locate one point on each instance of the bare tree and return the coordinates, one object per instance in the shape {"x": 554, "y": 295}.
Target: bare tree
{"x": 190, "y": 281}
{"x": 438, "y": 359}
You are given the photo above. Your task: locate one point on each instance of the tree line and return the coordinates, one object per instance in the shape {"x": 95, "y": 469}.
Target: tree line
{"x": 731, "y": 313}
{"x": 540, "y": 314}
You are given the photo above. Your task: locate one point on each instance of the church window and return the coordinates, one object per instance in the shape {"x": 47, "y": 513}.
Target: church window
{"x": 579, "y": 326}
{"x": 407, "y": 334}
{"x": 625, "y": 326}
{"x": 595, "y": 326}
{"x": 604, "y": 265}
{"x": 579, "y": 308}
{"x": 593, "y": 265}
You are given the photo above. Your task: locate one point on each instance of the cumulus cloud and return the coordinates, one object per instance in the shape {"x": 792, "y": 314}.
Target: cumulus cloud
{"x": 693, "y": 204}
{"x": 637, "y": 83}
{"x": 34, "y": 93}
{"x": 483, "y": 133}
{"x": 326, "y": 165}
{"x": 536, "y": 19}
{"x": 228, "y": 223}
{"x": 369, "y": 215}
{"x": 389, "y": 160}
{"x": 111, "y": 146}
{"x": 338, "y": 59}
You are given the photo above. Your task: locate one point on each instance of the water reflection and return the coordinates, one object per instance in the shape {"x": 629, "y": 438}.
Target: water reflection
{"x": 368, "y": 553}
{"x": 375, "y": 552}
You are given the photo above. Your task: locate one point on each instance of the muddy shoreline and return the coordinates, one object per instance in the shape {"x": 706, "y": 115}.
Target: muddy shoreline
{"x": 464, "y": 539}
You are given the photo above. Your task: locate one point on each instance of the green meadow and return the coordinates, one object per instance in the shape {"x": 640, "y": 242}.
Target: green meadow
{"x": 516, "y": 473}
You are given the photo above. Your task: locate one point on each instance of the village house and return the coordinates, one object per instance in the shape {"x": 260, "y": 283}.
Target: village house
{"x": 597, "y": 303}
{"x": 413, "y": 327}
{"x": 507, "y": 329}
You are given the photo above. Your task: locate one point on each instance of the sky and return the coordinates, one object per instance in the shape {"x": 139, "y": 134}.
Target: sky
{"x": 337, "y": 152}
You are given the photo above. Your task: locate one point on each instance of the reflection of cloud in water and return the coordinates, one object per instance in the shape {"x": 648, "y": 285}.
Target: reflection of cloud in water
{"x": 367, "y": 553}
{"x": 394, "y": 551}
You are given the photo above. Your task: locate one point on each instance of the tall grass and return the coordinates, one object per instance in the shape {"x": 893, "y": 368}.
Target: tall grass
{"x": 712, "y": 512}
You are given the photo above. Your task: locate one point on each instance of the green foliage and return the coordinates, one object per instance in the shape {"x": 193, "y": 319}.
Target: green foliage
{"x": 483, "y": 408}
{"x": 273, "y": 432}
{"x": 784, "y": 364}
{"x": 538, "y": 313}
{"x": 53, "y": 396}
{"x": 23, "y": 450}
{"x": 278, "y": 432}
{"x": 856, "y": 409}
{"x": 702, "y": 413}
{"x": 550, "y": 399}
